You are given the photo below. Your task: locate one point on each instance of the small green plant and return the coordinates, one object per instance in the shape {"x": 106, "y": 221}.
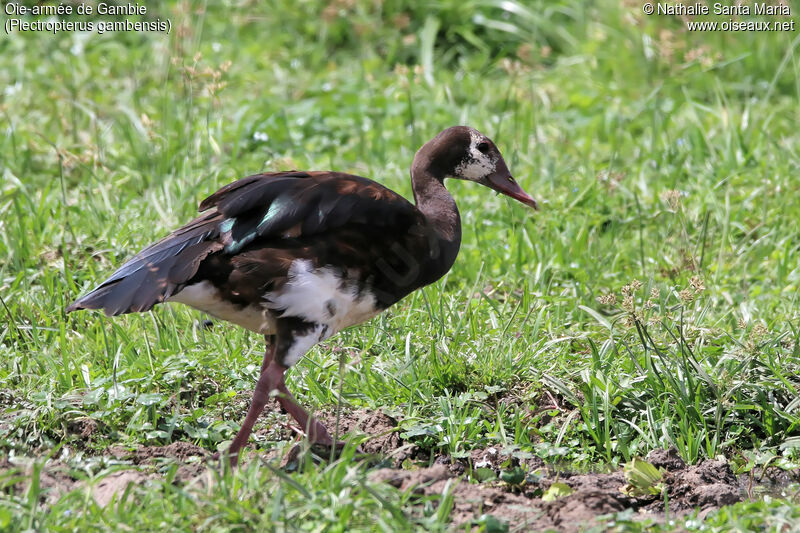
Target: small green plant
{"x": 642, "y": 478}
{"x": 514, "y": 477}
{"x": 556, "y": 491}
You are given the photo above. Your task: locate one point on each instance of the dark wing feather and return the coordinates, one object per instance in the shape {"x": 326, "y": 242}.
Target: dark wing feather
{"x": 251, "y": 197}
{"x": 266, "y": 210}
{"x": 156, "y": 272}
{"x": 229, "y": 190}
{"x": 304, "y": 204}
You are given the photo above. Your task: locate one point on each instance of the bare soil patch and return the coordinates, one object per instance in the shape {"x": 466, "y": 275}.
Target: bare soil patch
{"x": 116, "y": 483}
{"x": 192, "y": 460}
{"x": 57, "y": 479}
{"x": 54, "y": 478}
{"x": 179, "y": 451}
{"x": 705, "y": 487}
{"x": 376, "y": 432}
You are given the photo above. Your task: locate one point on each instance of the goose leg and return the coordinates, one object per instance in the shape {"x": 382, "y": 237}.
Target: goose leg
{"x": 315, "y": 430}
{"x": 272, "y": 382}
{"x": 264, "y": 386}
{"x": 269, "y": 354}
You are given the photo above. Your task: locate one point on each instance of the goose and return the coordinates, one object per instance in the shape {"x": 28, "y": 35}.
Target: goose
{"x": 299, "y": 256}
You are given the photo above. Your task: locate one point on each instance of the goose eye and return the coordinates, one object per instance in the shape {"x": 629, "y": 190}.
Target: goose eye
{"x": 483, "y": 147}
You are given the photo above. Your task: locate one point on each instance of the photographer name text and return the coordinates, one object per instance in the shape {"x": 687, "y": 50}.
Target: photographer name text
{"x": 718, "y": 8}
{"x": 780, "y": 13}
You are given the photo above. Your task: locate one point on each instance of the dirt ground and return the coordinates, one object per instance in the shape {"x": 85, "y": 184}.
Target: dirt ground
{"x": 706, "y": 486}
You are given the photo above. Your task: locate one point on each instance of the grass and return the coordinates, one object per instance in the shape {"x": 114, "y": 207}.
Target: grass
{"x": 653, "y": 297}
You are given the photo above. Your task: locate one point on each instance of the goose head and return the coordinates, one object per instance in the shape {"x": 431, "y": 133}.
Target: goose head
{"x": 464, "y": 153}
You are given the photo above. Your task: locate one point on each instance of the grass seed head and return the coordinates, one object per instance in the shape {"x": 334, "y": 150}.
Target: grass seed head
{"x": 697, "y": 284}
{"x": 607, "y": 299}
{"x": 672, "y": 198}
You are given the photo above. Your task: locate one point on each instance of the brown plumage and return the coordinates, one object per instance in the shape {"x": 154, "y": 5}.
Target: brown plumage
{"x": 298, "y": 256}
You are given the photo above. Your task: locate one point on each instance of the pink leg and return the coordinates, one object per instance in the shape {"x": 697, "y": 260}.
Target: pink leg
{"x": 269, "y": 354}
{"x": 267, "y": 382}
{"x": 272, "y": 379}
{"x": 316, "y": 432}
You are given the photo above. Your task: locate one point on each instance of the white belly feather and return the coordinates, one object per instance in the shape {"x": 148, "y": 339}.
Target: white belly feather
{"x": 205, "y": 297}
{"x": 319, "y": 296}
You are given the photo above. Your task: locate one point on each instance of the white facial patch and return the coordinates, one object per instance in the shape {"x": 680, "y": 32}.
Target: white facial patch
{"x": 322, "y": 296}
{"x": 477, "y": 165}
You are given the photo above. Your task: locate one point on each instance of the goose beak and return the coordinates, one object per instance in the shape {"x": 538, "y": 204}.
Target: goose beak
{"x": 504, "y": 183}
